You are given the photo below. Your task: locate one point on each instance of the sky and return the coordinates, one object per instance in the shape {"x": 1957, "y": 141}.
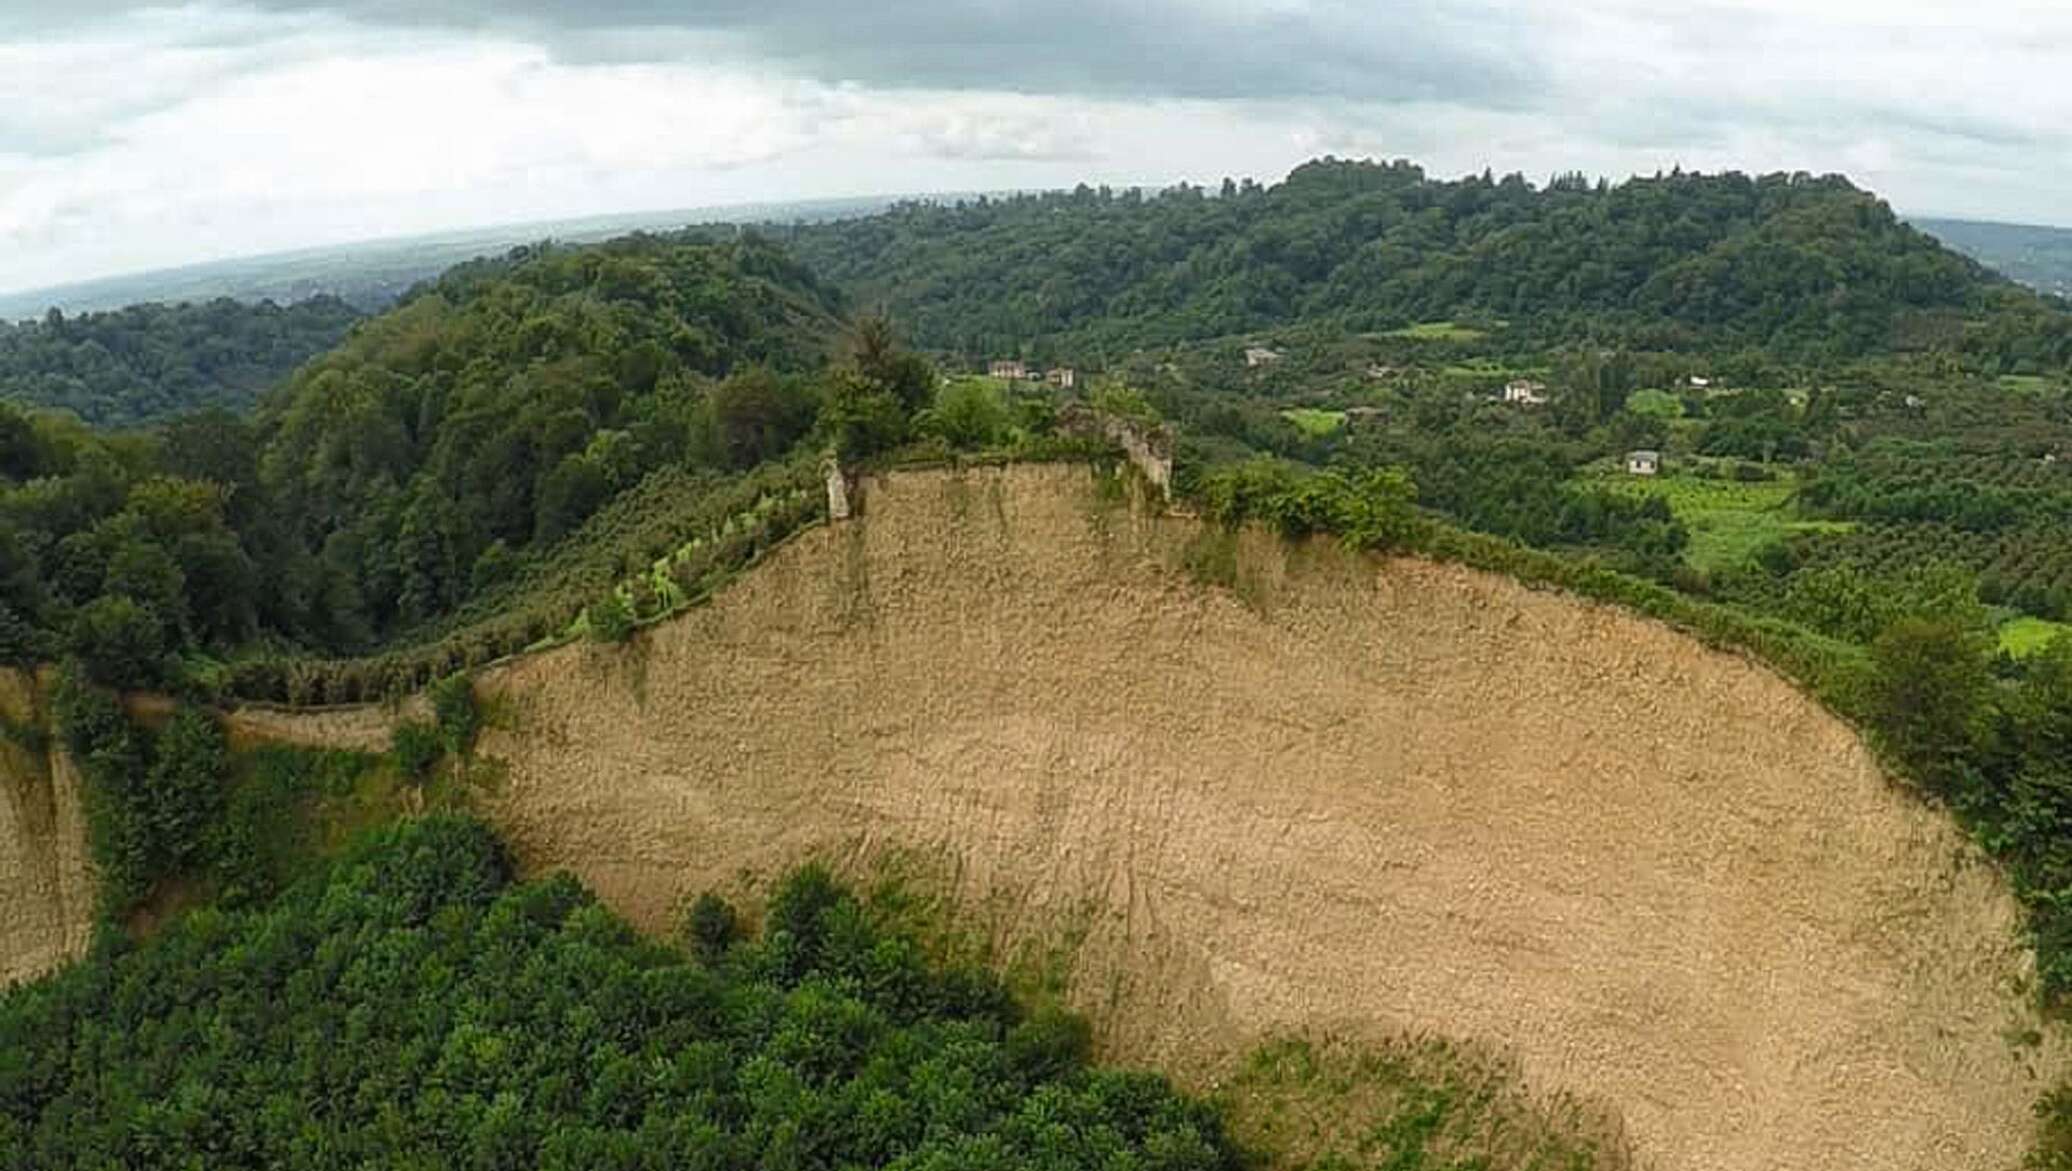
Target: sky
{"x": 137, "y": 136}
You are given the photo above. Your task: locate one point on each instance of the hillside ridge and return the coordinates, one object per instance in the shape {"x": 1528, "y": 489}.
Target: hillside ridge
{"x": 1352, "y": 796}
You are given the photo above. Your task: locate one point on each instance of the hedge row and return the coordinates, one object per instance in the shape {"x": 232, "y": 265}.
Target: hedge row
{"x": 702, "y": 541}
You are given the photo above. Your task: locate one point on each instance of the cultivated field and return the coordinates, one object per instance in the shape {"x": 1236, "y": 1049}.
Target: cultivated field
{"x": 1728, "y": 520}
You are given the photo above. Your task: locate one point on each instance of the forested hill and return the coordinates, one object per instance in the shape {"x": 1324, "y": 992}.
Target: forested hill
{"x": 2037, "y": 256}
{"x": 1808, "y": 268}
{"x": 147, "y": 363}
{"x": 391, "y": 479}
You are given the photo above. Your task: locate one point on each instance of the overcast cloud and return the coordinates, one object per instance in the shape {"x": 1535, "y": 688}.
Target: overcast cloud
{"x": 136, "y": 136}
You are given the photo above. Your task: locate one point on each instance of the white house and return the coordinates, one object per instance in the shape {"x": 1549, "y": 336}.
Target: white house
{"x": 1699, "y": 382}
{"x": 1643, "y": 463}
{"x": 1008, "y": 368}
{"x": 1256, "y": 356}
{"x": 1526, "y": 391}
{"x": 1062, "y": 377}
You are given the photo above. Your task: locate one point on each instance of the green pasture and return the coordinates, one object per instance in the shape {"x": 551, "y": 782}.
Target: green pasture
{"x": 1439, "y": 331}
{"x": 2024, "y": 635}
{"x": 1314, "y": 422}
{"x": 1728, "y": 519}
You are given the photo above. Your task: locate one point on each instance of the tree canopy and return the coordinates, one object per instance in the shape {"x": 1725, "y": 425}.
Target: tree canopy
{"x": 412, "y": 1007}
{"x": 1806, "y": 267}
{"x": 148, "y": 363}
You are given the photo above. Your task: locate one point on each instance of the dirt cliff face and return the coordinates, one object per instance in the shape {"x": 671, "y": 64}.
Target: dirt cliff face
{"x": 46, "y": 885}
{"x": 1346, "y": 795}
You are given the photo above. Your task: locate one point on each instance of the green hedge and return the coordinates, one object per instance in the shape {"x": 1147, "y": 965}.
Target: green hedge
{"x": 692, "y": 531}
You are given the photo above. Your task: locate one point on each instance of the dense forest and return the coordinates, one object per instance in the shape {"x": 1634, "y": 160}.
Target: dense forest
{"x": 424, "y": 460}
{"x": 149, "y": 363}
{"x": 1801, "y": 267}
{"x": 412, "y": 1007}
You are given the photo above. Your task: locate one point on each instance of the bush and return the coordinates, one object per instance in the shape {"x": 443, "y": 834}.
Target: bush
{"x": 456, "y": 713}
{"x": 1049, "y": 1044}
{"x": 610, "y": 619}
{"x": 710, "y": 928}
{"x": 415, "y": 746}
{"x": 1373, "y": 510}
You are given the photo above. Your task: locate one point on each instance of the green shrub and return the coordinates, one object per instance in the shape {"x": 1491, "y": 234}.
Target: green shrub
{"x": 1373, "y": 510}
{"x": 415, "y": 744}
{"x": 1049, "y": 1043}
{"x": 861, "y": 417}
{"x": 610, "y": 619}
{"x": 710, "y": 928}
{"x": 457, "y": 713}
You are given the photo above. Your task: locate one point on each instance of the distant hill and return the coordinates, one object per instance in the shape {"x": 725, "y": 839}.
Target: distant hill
{"x": 1806, "y": 268}
{"x": 148, "y": 363}
{"x": 2037, "y": 256}
{"x": 373, "y": 275}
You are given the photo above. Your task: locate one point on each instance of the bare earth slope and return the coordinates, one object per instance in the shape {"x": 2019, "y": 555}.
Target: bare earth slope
{"x": 1361, "y": 796}
{"x": 46, "y": 885}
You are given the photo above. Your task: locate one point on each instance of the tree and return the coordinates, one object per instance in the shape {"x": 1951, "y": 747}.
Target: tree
{"x": 710, "y": 928}
{"x": 860, "y": 417}
{"x": 1929, "y": 685}
{"x": 189, "y": 768}
{"x": 874, "y": 348}
{"x": 119, "y": 641}
{"x": 968, "y": 413}
{"x": 756, "y": 416}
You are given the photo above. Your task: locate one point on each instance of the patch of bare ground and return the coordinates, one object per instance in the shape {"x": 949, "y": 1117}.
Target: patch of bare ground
{"x": 1349, "y": 797}
{"x": 47, "y": 897}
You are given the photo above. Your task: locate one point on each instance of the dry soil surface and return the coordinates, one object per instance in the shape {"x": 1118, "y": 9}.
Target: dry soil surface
{"x": 46, "y": 885}
{"x": 1364, "y": 796}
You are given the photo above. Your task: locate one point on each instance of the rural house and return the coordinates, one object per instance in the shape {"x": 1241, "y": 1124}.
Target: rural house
{"x": 1526, "y": 391}
{"x": 1643, "y": 463}
{"x": 1256, "y": 356}
{"x": 1009, "y": 369}
{"x": 1062, "y": 377}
